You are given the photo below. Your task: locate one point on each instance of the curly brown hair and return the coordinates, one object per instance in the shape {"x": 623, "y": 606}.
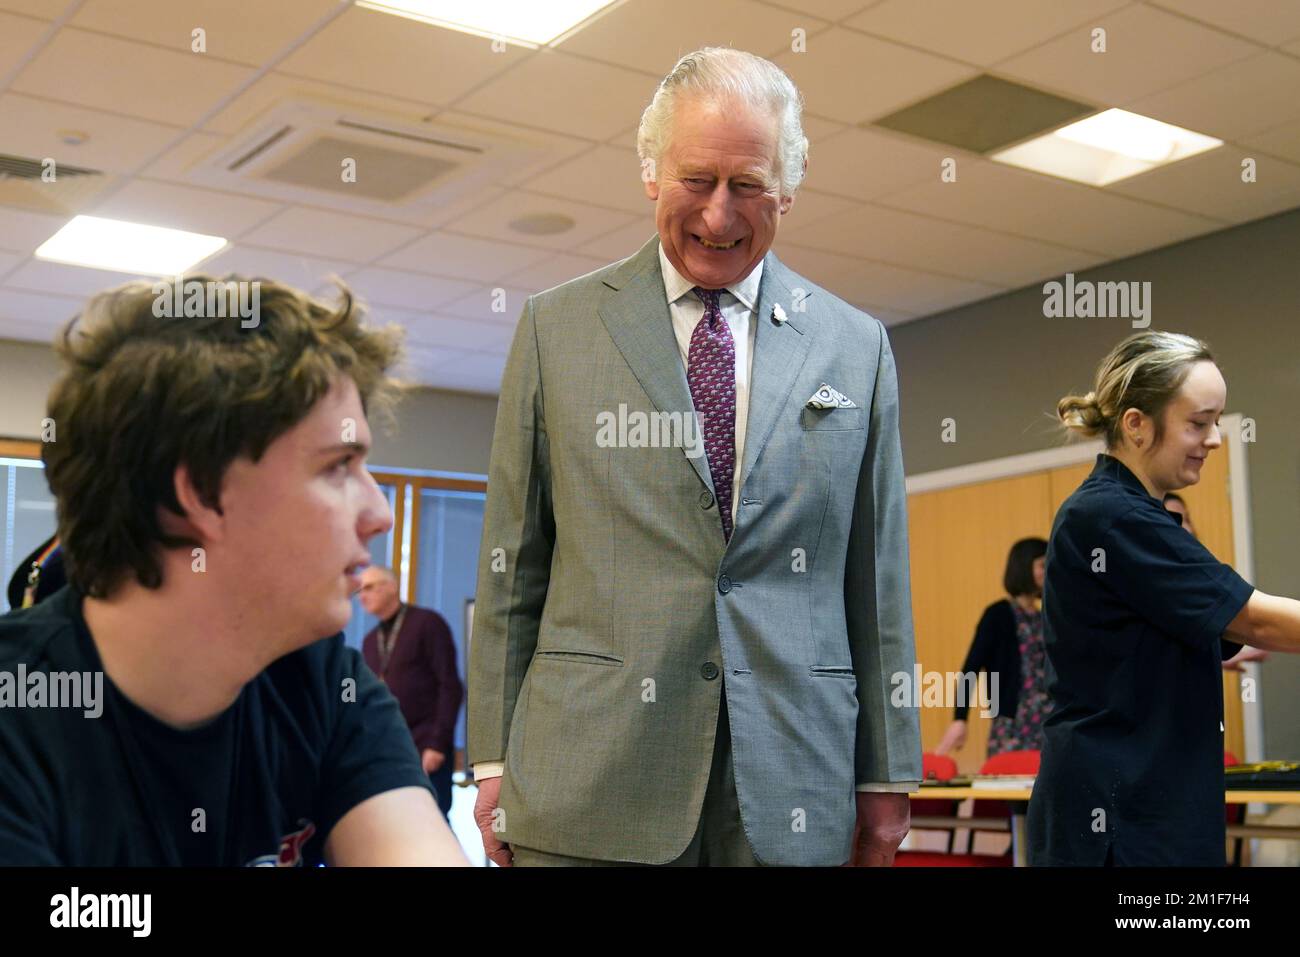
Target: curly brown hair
{"x": 140, "y": 394}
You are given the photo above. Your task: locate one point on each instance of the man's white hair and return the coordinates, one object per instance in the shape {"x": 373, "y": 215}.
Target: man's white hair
{"x": 721, "y": 74}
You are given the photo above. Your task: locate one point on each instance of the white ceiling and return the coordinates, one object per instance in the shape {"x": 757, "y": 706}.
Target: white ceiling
{"x": 874, "y": 223}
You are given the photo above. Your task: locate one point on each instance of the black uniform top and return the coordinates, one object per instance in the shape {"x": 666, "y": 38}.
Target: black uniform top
{"x": 264, "y": 782}
{"x": 1133, "y": 613}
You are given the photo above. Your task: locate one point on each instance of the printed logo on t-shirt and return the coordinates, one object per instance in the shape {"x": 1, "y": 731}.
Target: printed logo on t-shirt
{"x": 291, "y": 845}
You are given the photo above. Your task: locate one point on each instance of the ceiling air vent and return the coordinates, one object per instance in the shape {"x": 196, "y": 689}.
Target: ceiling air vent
{"x": 313, "y": 152}
{"x": 24, "y": 184}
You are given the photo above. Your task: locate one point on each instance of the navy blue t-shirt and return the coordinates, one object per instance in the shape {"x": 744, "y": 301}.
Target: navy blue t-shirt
{"x": 1134, "y": 610}
{"x": 308, "y": 739}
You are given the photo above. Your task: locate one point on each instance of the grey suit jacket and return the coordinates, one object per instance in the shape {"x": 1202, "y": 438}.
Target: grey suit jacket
{"x": 610, "y": 611}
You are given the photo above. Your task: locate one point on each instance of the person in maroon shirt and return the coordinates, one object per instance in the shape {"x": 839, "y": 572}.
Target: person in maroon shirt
{"x": 411, "y": 650}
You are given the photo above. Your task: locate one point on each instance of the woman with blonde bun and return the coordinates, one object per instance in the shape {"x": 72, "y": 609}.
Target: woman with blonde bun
{"x": 1138, "y": 617}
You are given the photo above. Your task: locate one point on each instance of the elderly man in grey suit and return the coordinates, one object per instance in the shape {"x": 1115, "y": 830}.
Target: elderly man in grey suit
{"x": 685, "y": 633}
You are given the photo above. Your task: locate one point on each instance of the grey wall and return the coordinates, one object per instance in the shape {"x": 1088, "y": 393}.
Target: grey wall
{"x": 998, "y": 368}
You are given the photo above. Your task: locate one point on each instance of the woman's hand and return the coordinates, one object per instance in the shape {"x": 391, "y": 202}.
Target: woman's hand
{"x": 954, "y": 739}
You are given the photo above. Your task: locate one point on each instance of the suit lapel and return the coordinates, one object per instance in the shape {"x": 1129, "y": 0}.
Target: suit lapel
{"x": 779, "y": 353}
{"x": 636, "y": 315}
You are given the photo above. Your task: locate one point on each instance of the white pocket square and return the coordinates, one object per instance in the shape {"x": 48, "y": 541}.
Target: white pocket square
{"x": 828, "y": 398}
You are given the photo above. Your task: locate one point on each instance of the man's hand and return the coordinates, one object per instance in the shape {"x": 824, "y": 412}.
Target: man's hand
{"x": 432, "y": 760}
{"x": 489, "y": 792}
{"x": 883, "y": 821}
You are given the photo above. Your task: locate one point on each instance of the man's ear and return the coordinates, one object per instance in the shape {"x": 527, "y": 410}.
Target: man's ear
{"x": 650, "y": 178}
{"x": 200, "y": 521}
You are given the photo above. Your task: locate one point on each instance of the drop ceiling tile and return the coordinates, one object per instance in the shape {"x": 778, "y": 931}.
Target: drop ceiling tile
{"x": 554, "y": 271}
{"x": 1211, "y": 185}
{"x": 185, "y": 207}
{"x": 39, "y": 275}
{"x": 1283, "y": 141}
{"x": 148, "y": 82}
{"x": 453, "y": 332}
{"x": 23, "y": 330}
{"x": 8, "y": 261}
{"x": 175, "y": 164}
{"x": 982, "y": 33}
{"x": 604, "y": 175}
{"x": 887, "y": 316}
{"x": 621, "y": 242}
{"x": 45, "y": 311}
{"x": 1146, "y": 50}
{"x": 480, "y": 365}
{"x": 910, "y": 290}
{"x": 248, "y": 33}
{"x": 996, "y": 197}
{"x": 445, "y": 254}
{"x": 810, "y": 205}
{"x": 307, "y": 273}
{"x": 817, "y": 265}
{"x": 18, "y": 36}
{"x": 551, "y": 148}
{"x": 22, "y": 232}
{"x": 274, "y": 88}
{"x": 331, "y": 235}
{"x": 576, "y": 97}
{"x": 490, "y": 304}
{"x": 1265, "y": 21}
{"x": 825, "y": 9}
{"x": 406, "y": 290}
{"x": 661, "y": 40}
{"x": 493, "y": 220}
{"x": 41, "y": 9}
{"x": 888, "y": 76}
{"x": 419, "y": 61}
{"x": 1245, "y": 97}
{"x": 35, "y": 128}
{"x": 964, "y": 252}
{"x": 866, "y": 164}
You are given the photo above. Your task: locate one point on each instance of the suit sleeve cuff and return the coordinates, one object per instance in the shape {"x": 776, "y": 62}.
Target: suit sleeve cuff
{"x": 892, "y": 787}
{"x": 488, "y": 769}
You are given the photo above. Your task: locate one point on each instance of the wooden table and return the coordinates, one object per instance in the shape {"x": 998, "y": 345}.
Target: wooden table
{"x": 1019, "y": 798}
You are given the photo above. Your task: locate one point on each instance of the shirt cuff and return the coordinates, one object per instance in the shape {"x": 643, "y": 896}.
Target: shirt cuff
{"x": 488, "y": 769}
{"x": 892, "y": 787}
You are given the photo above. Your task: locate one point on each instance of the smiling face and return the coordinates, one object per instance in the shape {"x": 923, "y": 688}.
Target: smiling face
{"x": 716, "y": 191}
{"x": 1191, "y": 430}
{"x": 297, "y": 521}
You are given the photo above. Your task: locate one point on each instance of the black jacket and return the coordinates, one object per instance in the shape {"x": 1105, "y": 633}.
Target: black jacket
{"x": 996, "y": 648}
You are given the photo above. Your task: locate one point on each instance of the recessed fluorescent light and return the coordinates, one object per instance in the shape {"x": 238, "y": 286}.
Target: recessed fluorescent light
{"x": 1107, "y": 147}
{"x": 127, "y": 247}
{"x": 529, "y": 23}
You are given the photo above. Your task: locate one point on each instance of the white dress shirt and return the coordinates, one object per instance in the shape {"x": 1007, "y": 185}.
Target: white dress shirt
{"x": 739, "y": 303}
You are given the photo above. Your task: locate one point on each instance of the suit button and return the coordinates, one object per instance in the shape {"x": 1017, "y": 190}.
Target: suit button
{"x": 709, "y": 670}
{"x": 724, "y": 584}
{"x": 706, "y": 499}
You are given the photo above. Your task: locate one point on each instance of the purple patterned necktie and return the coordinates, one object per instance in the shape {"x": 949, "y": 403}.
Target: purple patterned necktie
{"x": 711, "y": 374}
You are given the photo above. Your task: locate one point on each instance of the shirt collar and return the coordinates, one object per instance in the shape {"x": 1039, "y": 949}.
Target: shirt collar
{"x": 676, "y": 285}
{"x": 1113, "y": 467}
